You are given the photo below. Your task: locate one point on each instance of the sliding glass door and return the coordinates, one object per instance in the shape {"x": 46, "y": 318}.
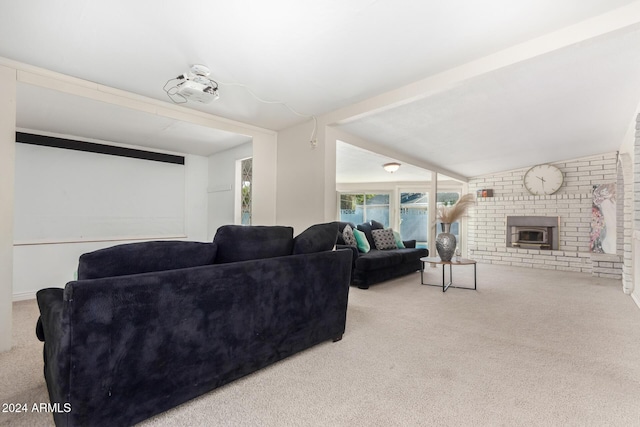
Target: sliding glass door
{"x": 414, "y": 217}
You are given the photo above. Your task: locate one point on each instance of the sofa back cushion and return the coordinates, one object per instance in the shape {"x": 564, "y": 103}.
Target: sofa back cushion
{"x": 317, "y": 238}
{"x": 243, "y": 243}
{"x": 144, "y": 257}
{"x": 375, "y": 225}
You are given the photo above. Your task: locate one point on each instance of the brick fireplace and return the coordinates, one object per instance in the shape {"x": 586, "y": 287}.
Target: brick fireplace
{"x": 571, "y": 208}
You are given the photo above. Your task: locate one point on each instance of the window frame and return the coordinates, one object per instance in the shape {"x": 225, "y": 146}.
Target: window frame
{"x": 364, "y": 193}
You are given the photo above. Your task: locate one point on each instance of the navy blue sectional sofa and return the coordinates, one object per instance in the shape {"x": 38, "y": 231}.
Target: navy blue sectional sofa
{"x": 376, "y": 265}
{"x": 148, "y": 326}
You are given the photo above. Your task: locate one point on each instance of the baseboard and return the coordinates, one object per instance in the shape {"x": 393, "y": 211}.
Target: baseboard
{"x": 636, "y": 299}
{"x": 23, "y": 296}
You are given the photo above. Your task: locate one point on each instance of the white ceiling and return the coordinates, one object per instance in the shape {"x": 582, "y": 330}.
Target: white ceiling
{"x": 55, "y": 112}
{"x": 573, "y": 102}
{"x": 576, "y": 100}
{"x": 350, "y": 159}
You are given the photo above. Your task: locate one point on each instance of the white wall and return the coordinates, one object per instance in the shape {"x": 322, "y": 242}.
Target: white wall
{"x": 265, "y": 170}
{"x": 7, "y": 147}
{"x": 302, "y": 177}
{"x": 197, "y": 211}
{"x": 306, "y": 180}
{"x": 77, "y": 195}
{"x": 223, "y": 186}
{"x": 197, "y": 177}
{"x": 53, "y": 265}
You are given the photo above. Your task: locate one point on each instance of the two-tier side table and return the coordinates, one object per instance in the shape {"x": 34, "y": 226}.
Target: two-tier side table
{"x": 454, "y": 261}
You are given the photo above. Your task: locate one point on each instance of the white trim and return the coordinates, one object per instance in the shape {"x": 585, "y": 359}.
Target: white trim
{"x": 24, "y": 296}
{"x": 237, "y": 211}
{"x": 29, "y": 74}
{"x": 635, "y": 299}
{"x": 220, "y": 188}
{"x": 97, "y": 240}
{"x": 237, "y": 195}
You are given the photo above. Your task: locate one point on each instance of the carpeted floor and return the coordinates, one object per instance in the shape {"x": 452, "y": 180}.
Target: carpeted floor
{"x": 528, "y": 348}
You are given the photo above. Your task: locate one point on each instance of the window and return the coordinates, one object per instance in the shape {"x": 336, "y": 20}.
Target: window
{"x": 414, "y": 217}
{"x": 246, "y": 175}
{"x": 359, "y": 208}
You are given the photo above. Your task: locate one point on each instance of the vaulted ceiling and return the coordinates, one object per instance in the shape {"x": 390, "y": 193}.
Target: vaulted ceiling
{"x": 473, "y": 87}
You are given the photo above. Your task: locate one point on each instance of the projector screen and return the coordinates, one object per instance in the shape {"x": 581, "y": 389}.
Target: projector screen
{"x": 66, "y": 195}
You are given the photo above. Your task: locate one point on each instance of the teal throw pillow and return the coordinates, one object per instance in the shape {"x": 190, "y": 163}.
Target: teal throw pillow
{"x": 396, "y": 235}
{"x": 361, "y": 241}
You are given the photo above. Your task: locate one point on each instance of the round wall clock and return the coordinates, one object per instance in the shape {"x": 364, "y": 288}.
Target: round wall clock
{"x": 543, "y": 179}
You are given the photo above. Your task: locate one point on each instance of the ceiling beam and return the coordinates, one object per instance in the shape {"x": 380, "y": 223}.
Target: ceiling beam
{"x": 600, "y": 25}
{"x": 71, "y": 85}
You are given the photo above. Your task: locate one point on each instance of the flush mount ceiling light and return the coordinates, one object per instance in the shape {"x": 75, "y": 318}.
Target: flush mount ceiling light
{"x": 391, "y": 167}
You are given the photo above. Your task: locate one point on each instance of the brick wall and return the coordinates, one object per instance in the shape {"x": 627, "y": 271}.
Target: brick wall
{"x": 634, "y": 268}
{"x": 572, "y": 203}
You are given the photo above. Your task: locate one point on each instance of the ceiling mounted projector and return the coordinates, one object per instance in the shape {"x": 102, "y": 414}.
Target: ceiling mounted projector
{"x": 194, "y": 85}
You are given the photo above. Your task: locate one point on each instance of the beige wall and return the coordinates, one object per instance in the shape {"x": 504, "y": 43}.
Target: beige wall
{"x": 302, "y": 178}
{"x": 330, "y": 137}
{"x": 7, "y": 150}
{"x": 263, "y": 193}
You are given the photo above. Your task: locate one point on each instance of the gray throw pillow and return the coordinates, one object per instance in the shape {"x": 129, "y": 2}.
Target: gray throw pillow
{"x": 384, "y": 239}
{"x": 348, "y": 237}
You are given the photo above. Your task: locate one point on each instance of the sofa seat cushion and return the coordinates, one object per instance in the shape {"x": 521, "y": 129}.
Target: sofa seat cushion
{"x": 144, "y": 257}
{"x": 413, "y": 254}
{"x": 243, "y": 243}
{"x": 376, "y": 259}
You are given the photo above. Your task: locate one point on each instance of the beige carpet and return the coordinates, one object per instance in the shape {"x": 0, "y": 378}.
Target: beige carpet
{"x": 529, "y": 348}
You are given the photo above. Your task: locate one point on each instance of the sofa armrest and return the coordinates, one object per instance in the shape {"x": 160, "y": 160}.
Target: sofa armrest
{"x": 409, "y": 243}
{"x": 353, "y": 249}
{"x": 50, "y": 303}
{"x": 53, "y": 328}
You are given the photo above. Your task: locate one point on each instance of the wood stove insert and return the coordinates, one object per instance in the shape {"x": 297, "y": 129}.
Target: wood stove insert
{"x": 533, "y": 232}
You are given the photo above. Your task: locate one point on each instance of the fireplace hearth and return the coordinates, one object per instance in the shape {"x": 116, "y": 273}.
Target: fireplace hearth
{"x": 533, "y": 232}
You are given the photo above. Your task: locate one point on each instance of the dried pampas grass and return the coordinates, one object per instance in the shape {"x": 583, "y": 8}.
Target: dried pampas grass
{"x": 450, "y": 214}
